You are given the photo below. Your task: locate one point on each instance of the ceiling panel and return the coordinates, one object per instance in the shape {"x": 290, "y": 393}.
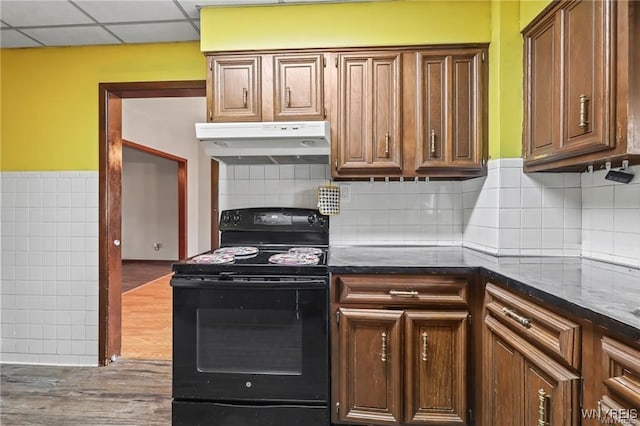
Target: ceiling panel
{"x": 13, "y": 38}
{"x": 25, "y": 13}
{"x": 155, "y": 32}
{"x": 131, "y": 11}
{"x": 190, "y": 6}
{"x": 72, "y": 36}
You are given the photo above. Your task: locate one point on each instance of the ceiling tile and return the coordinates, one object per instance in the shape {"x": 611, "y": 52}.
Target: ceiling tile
{"x": 131, "y": 11}
{"x": 25, "y": 13}
{"x": 72, "y": 36}
{"x": 191, "y": 6}
{"x": 12, "y": 38}
{"x": 155, "y": 32}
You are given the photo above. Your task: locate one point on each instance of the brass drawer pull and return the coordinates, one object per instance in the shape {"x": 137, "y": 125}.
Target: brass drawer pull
{"x": 433, "y": 142}
{"x": 525, "y": 322}
{"x": 383, "y": 354}
{"x": 244, "y": 96}
{"x": 425, "y": 347}
{"x": 287, "y": 96}
{"x": 542, "y": 408}
{"x": 584, "y": 122}
{"x": 386, "y": 143}
{"x": 404, "y": 293}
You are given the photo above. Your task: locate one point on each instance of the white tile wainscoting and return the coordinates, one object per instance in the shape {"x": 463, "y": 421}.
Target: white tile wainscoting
{"x": 49, "y": 233}
{"x": 49, "y": 278}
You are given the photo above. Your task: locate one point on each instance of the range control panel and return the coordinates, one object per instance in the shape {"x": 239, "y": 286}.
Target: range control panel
{"x": 274, "y": 219}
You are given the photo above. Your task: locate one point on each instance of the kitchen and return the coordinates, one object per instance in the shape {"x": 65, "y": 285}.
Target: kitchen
{"x": 599, "y": 219}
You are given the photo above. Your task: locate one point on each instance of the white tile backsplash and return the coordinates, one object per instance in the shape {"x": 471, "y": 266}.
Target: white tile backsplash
{"x": 611, "y": 218}
{"x": 49, "y": 282}
{"x": 49, "y": 233}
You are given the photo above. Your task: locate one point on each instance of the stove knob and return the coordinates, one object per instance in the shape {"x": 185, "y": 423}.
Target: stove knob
{"x": 236, "y": 219}
{"x": 226, "y": 218}
{"x": 321, "y": 221}
{"x": 311, "y": 219}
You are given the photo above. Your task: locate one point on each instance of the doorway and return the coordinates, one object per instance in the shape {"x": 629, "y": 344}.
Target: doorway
{"x": 110, "y": 200}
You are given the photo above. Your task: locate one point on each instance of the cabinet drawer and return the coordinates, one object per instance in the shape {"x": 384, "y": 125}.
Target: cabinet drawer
{"x": 621, "y": 373}
{"x": 547, "y": 330}
{"x": 391, "y": 290}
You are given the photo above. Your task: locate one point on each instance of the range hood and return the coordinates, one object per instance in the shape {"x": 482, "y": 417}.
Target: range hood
{"x": 299, "y": 142}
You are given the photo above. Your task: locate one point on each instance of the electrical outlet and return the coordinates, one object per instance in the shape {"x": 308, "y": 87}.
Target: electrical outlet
{"x": 345, "y": 192}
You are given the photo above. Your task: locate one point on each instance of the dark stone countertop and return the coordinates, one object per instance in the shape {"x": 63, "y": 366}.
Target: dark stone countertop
{"x": 607, "y": 294}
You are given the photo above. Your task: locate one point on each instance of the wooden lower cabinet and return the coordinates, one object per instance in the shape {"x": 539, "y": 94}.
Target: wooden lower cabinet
{"x": 523, "y": 385}
{"x": 402, "y": 367}
{"x": 620, "y": 398}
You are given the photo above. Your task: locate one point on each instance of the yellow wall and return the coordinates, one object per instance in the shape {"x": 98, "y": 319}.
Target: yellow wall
{"x": 529, "y": 9}
{"x": 49, "y": 97}
{"x": 344, "y": 24}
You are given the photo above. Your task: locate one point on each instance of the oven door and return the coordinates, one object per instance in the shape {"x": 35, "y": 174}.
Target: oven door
{"x": 258, "y": 340}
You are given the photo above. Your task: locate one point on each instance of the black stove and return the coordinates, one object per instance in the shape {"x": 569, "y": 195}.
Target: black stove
{"x": 250, "y": 337}
{"x": 272, "y": 231}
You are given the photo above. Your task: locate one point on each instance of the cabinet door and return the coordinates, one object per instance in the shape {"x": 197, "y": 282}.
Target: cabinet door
{"x": 542, "y": 88}
{"x": 587, "y": 76}
{"x": 435, "y": 367}
{"x": 235, "y": 86}
{"x": 369, "y": 103}
{"x": 449, "y": 108}
{"x": 370, "y": 364}
{"x": 298, "y": 91}
{"x": 539, "y": 389}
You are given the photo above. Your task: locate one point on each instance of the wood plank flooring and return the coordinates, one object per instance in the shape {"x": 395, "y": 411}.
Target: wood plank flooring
{"x": 138, "y": 272}
{"x": 126, "y": 392}
{"x": 147, "y": 321}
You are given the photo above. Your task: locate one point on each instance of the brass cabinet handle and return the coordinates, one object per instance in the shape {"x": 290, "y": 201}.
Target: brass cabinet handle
{"x": 386, "y": 143}
{"x": 244, "y": 96}
{"x": 433, "y": 142}
{"x": 584, "y": 122}
{"x": 210, "y": 115}
{"x": 425, "y": 356}
{"x": 542, "y": 408}
{"x": 525, "y": 322}
{"x": 383, "y": 354}
{"x": 404, "y": 293}
{"x": 287, "y": 96}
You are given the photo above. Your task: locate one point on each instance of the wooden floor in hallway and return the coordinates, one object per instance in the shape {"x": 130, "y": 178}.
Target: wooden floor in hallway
{"x": 147, "y": 321}
{"x": 138, "y": 272}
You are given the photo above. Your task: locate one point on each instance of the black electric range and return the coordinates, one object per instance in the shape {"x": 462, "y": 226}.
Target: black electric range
{"x": 250, "y": 336}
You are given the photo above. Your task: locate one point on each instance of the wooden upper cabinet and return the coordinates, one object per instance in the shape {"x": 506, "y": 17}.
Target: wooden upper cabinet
{"x": 542, "y": 73}
{"x": 587, "y": 80}
{"x": 235, "y": 89}
{"x": 435, "y": 394}
{"x": 298, "y": 87}
{"x": 450, "y": 110}
{"x": 369, "y": 95}
{"x": 370, "y": 365}
{"x": 580, "y": 90}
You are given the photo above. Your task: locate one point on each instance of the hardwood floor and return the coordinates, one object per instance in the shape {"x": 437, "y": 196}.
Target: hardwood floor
{"x": 138, "y": 272}
{"x": 147, "y": 321}
{"x": 127, "y": 392}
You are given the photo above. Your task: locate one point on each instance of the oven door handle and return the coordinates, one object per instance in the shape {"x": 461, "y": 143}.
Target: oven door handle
{"x": 204, "y": 283}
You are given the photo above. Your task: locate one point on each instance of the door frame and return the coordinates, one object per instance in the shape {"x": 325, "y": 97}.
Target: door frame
{"x": 110, "y": 143}
{"x": 182, "y": 190}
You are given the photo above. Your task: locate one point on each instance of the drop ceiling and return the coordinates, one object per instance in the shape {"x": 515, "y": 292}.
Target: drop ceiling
{"x": 38, "y": 23}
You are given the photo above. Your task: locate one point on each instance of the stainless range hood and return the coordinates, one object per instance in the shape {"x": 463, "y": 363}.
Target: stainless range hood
{"x": 299, "y": 142}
